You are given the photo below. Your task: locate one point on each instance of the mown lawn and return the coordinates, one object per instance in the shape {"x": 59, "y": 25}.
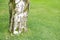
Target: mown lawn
{"x": 43, "y": 21}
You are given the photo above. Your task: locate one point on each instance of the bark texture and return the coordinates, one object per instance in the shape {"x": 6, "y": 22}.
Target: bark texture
{"x": 18, "y": 10}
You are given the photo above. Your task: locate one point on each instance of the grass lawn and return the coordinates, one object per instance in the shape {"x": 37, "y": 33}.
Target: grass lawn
{"x": 43, "y": 21}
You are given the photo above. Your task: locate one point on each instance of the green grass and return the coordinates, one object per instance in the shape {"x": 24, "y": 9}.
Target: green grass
{"x": 43, "y": 21}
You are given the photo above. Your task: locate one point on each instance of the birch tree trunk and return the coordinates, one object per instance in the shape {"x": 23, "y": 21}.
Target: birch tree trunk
{"x": 18, "y": 10}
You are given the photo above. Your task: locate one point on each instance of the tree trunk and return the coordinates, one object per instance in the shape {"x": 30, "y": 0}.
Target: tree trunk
{"x": 18, "y": 10}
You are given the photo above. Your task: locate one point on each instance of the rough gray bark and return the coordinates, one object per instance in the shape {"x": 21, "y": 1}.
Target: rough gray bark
{"x": 18, "y": 10}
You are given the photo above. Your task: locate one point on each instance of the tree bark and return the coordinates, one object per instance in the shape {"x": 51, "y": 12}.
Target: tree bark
{"x": 18, "y": 10}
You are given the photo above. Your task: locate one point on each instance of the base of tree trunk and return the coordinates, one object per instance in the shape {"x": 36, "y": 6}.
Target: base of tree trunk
{"x": 18, "y": 16}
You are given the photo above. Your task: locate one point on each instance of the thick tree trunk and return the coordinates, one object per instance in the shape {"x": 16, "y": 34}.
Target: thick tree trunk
{"x": 18, "y": 10}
